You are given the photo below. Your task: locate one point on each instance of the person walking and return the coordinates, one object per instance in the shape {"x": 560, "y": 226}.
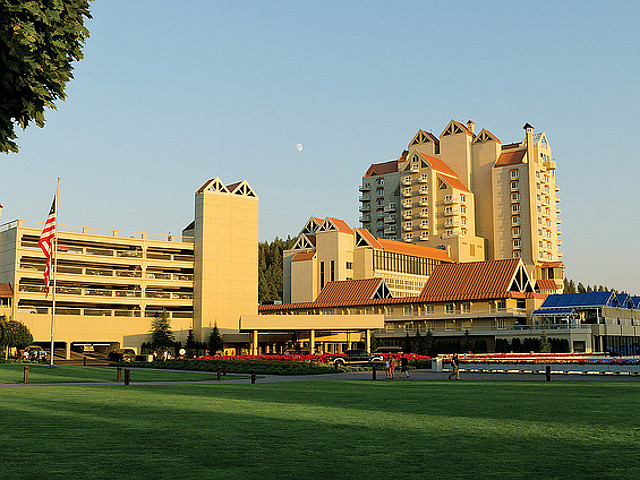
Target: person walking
{"x": 404, "y": 363}
{"x": 455, "y": 367}
{"x": 387, "y": 368}
{"x": 392, "y": 367}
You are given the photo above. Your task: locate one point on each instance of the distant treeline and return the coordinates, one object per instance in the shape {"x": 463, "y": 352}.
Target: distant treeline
{"x": 570, "y": 287}
{"x": 270, "y": 268}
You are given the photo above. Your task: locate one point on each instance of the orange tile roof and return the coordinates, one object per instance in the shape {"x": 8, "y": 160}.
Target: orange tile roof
{"x": 347, "y": 291}
{"x": 470, "y": 281}
{"x": 318, "y": 220}
{"x": 465, "y": 128}
{"x": 454, "y": 183}
{"x": 510, "y": 158}
{"x": 233, "y": 186}
{"x": 545, "y": 285}
{"x": 557, "y": 264}
{"x": 511, "y": 145}
{"x": 5, "y": 290}
{"x": 302, "y": 256}
{"x": 414, "y": 250}
{"x": 491, "y": 133}
{"x": 438, "y": 165}
{"x": 382, "y": 168}
{"x": 341, "y": 225}
{"x": 370, "y": 238}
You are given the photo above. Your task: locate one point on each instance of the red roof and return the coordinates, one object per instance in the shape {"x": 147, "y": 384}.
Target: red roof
{"x": 413, "y": 250}
{"x": 454, "y": 183}
{"x": 370, "y": 238}
{"x": 345, "y": 292}
{"x": 438, "y": 165}
{"x": 341, "y": 225}
{"x": 470, "y": 281}
{"x": 545, "y": 285}
{"x": 233, "y": 186}
{"x": 510, "y": 158}
{"x": 302, "y": 256}
{"x": 382, "y": 168}
{"x": 5, "y": 290}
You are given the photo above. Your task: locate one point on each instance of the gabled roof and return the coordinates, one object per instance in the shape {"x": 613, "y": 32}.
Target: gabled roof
{"x": 438, "y": 165}
{"x": 414, "y": 250}
{"x": 577, "y": 300}
{"x": 347, "y": 292}
{"x": 510, "y": 158}
{"x": 486, "y": 136}
{"x": 382, "y": 168}
{"x": 454, "y": 127}
{"x": 331, "y": 224}
{"x": 5, "y": 290}
{"x": 636, "y": 302}
{"x": 424, "y": 137}
{"x": 453, "y": 182}
{"x": 476, "y": 280}
{"x": 545, "y": 285}
{"x": 302, "y": 256}
{"x": 364, "y": 236}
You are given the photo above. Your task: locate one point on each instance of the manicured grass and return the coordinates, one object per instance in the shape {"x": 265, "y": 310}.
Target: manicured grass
{"x": 11, "y": 373}
{"x": 322, "y": 429}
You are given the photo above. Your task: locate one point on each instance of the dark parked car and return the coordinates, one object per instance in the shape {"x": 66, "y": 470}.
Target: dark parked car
{"x": 122, "y": 355}
{"x": 355, "y": 357}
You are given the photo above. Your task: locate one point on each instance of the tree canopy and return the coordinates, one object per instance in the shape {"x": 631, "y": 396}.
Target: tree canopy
{"x": 161, "y": 334}
{"x": 14, "y": 334}
{"x": 270, "y": 268}
{"x": 39, "y": 40}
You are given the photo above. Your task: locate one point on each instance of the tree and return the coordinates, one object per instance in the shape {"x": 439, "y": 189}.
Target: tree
{"x": 374, "y": 342}
{"x": 191, "y": 344}
{"x": 581, "y": 288}
{"x": 418, "y": 344}
{"x": 161, "y": 334}
{"x": 466, "y": 343}
{"x": 215, "y": 340}
{"x": 572, "y": 287}
{"x": 38, "y": 43}
{"x": 270, "y": 268}
{"x": 430, "y": 344}
{"x": 14, "y": 334}
{"x": 406, "y": 347}
{"x": 545, "y": 344}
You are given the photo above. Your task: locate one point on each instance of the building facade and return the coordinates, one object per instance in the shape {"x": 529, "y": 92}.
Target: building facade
{"x": 472, "y": 195}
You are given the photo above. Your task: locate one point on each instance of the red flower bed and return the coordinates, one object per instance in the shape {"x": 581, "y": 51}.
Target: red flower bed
{"x": 324, "y": 358}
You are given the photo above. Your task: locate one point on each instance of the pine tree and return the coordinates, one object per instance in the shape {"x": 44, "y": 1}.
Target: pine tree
{"x": 545, "y": 345}
{"x": 191, "y": 344}
{"x": 161, "y": 335}
{"x": 572, "y": 287}
{"x": 581, "y": 288}
{"x": 466, "y": 343}
{"x": 216, "y": 343}
{"x": 430, "y": 344}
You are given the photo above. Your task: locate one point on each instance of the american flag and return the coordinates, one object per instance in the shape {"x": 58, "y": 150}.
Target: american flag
{"x": 46, "y": 243}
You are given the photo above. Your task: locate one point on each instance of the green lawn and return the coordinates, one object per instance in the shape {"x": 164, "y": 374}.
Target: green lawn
{"x": 321, "y": 429}
{"x": 11, "y": 373}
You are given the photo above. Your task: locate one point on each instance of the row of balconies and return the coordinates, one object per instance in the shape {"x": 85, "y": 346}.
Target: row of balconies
{"x": 105, "y": 252}
{"x": 103, "y": 272}
{"x": 107, "y": 293}
{"x": 103, "y": 312}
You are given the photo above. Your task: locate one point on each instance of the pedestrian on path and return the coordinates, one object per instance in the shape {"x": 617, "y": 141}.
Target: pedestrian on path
{"x": 392, "y": 367}
{"x": 404, "y": 363}
{"x": 455, "y": 367}
{"x": 387, "y": 368}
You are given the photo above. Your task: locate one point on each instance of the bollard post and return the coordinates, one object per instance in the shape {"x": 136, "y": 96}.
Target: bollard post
{"x": 253, "y": 376}
{"x": 547, "y": 372}
{"x": 119, "y": 375}
{"x": 373, "y": 371}
{"x": 224, "y": 370}
{"x": 84, "y": 361}
{"x": 26, "y": 374}
{"x": 127, "y": 376}
{"x": 219, "y": 372}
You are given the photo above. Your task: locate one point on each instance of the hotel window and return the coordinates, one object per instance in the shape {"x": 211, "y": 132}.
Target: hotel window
{"x": 515, "y": 173}
{"x": 463, "y": 198}
{"x": 430, "y": 309}
{"x": 538, "y": 185}
{"x": 407, "y": 236}
{"x": 424, "y": 211}
{"x": 448, "y": 308}
{"x": 321, "y": 275}
{"x": 515, "y": 208}
{"x": 448, "y": 233}
{"x": 463, "y": 221}
{"x": 463, "y": 209}
{"x": 349, "y": 265}
{"x": 539, "y": 232}
{"x": 423, "y": 189}
{"x": 516, "y": 243}
{"x": 424, "y": 235}
{"x": 538, "y": 197}
{"x": 515, "y": 185}
{"x": 448, "y": 210}
{"x": 424, "y": 223}
{"x": 517, "y": 254}
{"x": 539, "y": 209}
{"x": 333, "y": 270}
{"x": 424, "y": 177}
{"x": 448, "y": 198}
{"x": 407, "y": 191}
{"x": 380, "y": 223}
{"x": 407, "y": 202}
{"x": 515, "y": 220}
{"x": 501, "y": 304}
{"x": 407, "y": 179}
{"x": 407, "y": 225}
{"x": 465, "y": 307}
{"x": 515, "y": 197}
{"x": 380, "y": 202}
{"x": 380, "y": 181}
{"x": 515, "y": 232}
{"x": 415, "y": 165}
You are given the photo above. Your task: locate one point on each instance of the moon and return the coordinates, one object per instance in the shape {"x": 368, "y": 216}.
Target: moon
{"x": 299, "y": 147}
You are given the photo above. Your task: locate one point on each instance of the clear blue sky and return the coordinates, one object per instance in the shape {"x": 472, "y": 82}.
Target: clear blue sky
{"x": 173, "y": 93}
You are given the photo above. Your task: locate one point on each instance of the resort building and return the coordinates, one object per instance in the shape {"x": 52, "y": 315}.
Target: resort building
{"x": 472, "y": 195}
{"x": 329, "y": 250}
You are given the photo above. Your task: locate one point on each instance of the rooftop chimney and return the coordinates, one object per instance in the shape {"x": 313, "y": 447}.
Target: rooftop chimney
{"x": 470, "y": 126}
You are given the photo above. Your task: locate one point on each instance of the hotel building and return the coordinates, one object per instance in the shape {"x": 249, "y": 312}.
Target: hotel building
{"x": 472, "y": 195}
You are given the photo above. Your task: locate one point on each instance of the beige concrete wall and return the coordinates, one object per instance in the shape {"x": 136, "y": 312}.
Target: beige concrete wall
{"x": 483, "y": 156}
{"x": 310, "y": 322}
{"x": 226, "y": 259}
{"x": 337, "y": 247}
{"x": 304, "y": 286}
{"x": 455, "y": 151}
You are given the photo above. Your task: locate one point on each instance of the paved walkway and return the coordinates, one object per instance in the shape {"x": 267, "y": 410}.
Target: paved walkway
{"x": 423, "y": 375}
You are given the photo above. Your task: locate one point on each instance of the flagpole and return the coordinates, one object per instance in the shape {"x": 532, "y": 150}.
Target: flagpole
{"x": 55, "y": 268}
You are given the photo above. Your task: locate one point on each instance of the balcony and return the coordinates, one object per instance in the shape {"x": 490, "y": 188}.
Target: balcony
{"x": 450, "y": 222}
{"x": 415, "y": 168}
{"x": 390, "y": 219}
{"x": 407, "y": 228}
{"x": 450, "y": 212}
{"x": 407, "y": 215}
{"x": 424, "y": 179}
{"x": 424, "y": 201}
{"x": 406, "y": 193}
{"x": 424, "y": 214}
{"x": 390, "y": 230}
{"x": 406, "y": 204}
{"x": 365, "y": 188}
{"x": 380, "y": 193}
{"x": 450, "y": 200}
{"x": 450, "y": 235}
{"x": 364, "y": 198}
{"x": 365, "y": 219}
{"x": 390, "y": 208}
{"x": 558, "y": 211}
{"x": 558, "y": 231}
{"x": 406, "y": 181}
{"x": 550, "y": 164}
{"x": 424, "y": 226}
{"x": 365, "y": 208}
